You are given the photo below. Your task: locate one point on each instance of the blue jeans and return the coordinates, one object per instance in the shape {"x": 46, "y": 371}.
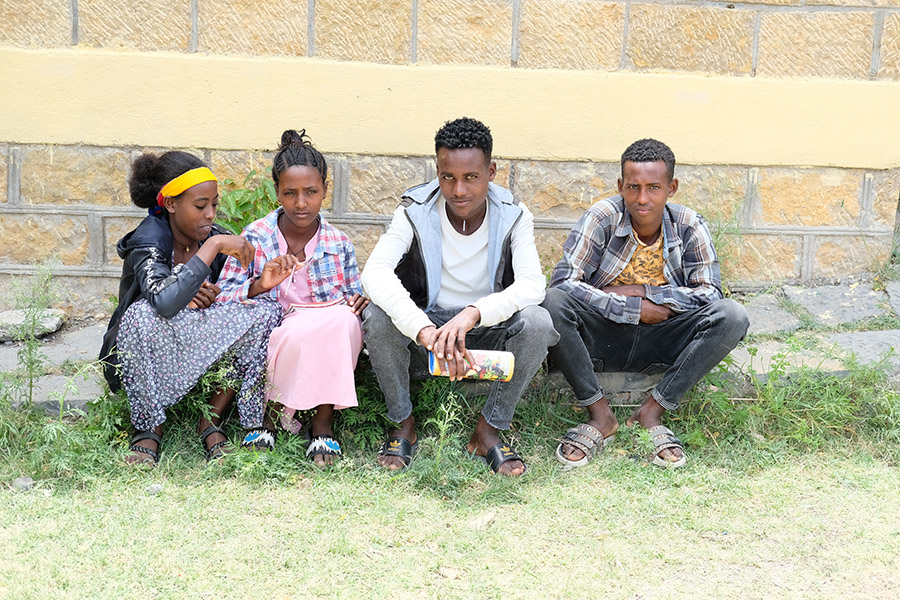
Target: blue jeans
{"x": 685, "y": 347}
{"x": 527, "y": 334}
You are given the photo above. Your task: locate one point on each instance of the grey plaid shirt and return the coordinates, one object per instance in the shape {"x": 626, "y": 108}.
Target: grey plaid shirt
{"x": 601, "y": 244}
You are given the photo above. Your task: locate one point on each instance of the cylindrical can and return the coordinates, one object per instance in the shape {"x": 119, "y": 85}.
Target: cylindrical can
{"x": 489, "y": 364}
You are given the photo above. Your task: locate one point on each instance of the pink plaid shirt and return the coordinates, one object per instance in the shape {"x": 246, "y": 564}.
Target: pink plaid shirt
{"x": 332, "y": 269}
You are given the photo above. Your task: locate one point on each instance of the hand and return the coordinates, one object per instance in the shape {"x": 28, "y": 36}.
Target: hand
{"x": 357, "y": 303}
{"x": 277, "y": 270}
{"x": 205, "y": 296}
{"x": 634, "y": 290}
{"x": 654, "y": 313}
{"x": 448, "y": 342}
{"x": 234, "y": 245}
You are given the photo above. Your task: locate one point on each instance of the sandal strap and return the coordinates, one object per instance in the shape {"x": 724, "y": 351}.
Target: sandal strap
{"x": 588, "y": 431}
{"x": 584, "y": 443}
{"x": 499, "y": 454}
{"x": 259, "y": 438}
{"x": 664, "y": 439}
{"x": 322, "y": 445}
{"x": 145, "y": 450}
{"x": 212, "y": 451}
{"x": 146, "y": 435}
{"x": 212, "y": 429}
{"x": 399, "y": 447}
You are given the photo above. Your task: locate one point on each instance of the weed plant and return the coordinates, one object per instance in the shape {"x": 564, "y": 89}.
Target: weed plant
{"x": 784, "y": 415}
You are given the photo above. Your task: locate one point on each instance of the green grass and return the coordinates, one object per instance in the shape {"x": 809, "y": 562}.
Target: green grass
{"x": 787, "y": 494}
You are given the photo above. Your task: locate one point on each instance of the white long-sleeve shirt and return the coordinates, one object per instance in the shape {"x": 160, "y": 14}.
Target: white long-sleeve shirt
{"x": 383, "y": 286}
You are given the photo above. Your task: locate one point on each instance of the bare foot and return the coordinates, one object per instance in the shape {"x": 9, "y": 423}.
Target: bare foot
{"x": 601, "y": 418}
{"x": 323, "y": 425}
{"x": 648, "y": 415}
{"x": 407, "y": 431}
{"x": 483, "y": 439}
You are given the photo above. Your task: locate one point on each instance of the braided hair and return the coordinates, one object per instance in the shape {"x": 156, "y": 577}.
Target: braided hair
{"x": 150, "y": 173}
{"x": 465, "y": 133}
{"x": 295, "y": 150}
{"x": 650, "y": 150}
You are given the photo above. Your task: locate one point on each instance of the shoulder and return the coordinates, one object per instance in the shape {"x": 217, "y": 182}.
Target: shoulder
{"x": 608, "y": 208}
{"x": 329, "y": 232}
{"x": 153, "y": 232}
{"x": 420, "y": 194}
{"x": 684, "y": 218}
{"x": 263, "y": 227}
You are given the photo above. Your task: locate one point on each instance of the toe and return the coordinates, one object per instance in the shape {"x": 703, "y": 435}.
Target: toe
{"x": 512, "y": 468}
{"x": 572, "y": 453}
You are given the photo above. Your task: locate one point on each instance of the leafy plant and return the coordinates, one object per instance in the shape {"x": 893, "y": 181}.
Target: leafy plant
{"x": 33, "y": 299}
{"x": 240, "y": 206}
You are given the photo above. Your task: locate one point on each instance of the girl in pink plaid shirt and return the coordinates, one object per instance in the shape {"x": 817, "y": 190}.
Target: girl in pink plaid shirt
{"x": 310, "y": 267}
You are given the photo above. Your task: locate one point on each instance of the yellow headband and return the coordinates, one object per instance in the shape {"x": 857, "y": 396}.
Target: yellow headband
{"x": 184, "y": 182}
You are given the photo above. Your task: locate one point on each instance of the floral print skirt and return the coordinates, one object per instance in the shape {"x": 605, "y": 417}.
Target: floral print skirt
{"x": 162, "y": 359}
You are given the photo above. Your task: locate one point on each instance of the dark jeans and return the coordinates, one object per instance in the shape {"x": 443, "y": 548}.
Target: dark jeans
{"x": 686, "y": 347}
{"x": 526, "y": 334}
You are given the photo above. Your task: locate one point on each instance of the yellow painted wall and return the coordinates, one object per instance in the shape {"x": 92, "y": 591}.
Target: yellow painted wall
{"x": 110, "y": 98}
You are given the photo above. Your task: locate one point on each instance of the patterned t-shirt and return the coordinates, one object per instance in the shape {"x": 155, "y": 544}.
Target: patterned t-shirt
{"x": 645, "y": 266}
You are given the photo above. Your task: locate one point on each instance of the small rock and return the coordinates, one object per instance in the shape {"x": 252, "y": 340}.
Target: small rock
{"x": 154, "y": 489}
{"x": 12, "y": 320}
{"x": 23, "y": 484}
{"x": 448, "y": 572}
{"x": 482, "y": 520}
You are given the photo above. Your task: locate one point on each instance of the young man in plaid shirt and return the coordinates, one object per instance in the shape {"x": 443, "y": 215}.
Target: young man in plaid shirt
{"x": 638, "y": 289}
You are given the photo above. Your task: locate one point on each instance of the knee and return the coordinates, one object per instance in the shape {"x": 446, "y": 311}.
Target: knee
{"x": 538, "y": 324}
{"x": 376, "y": 323}
{"x": 733, "y": 317}
{"x": 556, "y": 303}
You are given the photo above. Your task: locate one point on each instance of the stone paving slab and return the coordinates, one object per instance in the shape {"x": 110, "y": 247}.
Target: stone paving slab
{"x": 838, "y": 304}
{"x": 75, "y": 393}
{"x": 767, "y": 316}
{"x": 74, "y": 344}
{"x": 893, "y": 292}
{"x": 769, "y": 354}
{"x": 871, "y": 346}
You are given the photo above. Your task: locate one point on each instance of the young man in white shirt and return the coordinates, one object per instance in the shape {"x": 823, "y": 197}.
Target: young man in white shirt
{"x": 457, "y": 269}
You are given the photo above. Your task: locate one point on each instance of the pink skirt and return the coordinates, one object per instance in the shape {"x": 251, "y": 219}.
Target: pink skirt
{"x": 312, "y": 355}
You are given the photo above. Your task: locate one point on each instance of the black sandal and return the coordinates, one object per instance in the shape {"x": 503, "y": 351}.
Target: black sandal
{"x": 499, "y": 454}
{"x": 152, "y": 458}
{"x": 214, "y": 452}
{"x": 401, "y": 448}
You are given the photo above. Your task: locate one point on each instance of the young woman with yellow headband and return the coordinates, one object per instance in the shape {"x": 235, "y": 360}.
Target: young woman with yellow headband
{"x": 167, "y": 330}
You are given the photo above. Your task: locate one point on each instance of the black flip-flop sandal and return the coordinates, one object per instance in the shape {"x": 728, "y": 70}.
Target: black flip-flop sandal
{"x": 152, "y": 455}
{"x": 401, "y": 448}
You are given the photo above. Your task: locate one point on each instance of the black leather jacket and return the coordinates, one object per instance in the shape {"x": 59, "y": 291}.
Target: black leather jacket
{"x": 147, "y": 273}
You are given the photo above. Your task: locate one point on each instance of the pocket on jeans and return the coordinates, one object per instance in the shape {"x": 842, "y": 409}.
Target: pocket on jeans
{"x": 655, "y": 369}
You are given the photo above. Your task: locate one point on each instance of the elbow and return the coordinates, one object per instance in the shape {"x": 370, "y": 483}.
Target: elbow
{"x": 164, "y": 309}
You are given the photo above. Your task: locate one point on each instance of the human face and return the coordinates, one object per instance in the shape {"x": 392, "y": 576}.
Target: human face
{"x": 464, "y": 175}
{"x": 192, "y": 213}
{"x": 646, "y": 187}
{"x": 301, "y": 192}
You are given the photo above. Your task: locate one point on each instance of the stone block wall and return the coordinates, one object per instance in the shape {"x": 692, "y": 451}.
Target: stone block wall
{"x": 845, "y": 39}
{"x": 774, "y": 223}
{"x": 70, "y": 204}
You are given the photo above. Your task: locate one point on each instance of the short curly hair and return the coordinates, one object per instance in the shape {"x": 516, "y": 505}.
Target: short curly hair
{"x": 465, "y": 133}
{"x": 650, "y": 150}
